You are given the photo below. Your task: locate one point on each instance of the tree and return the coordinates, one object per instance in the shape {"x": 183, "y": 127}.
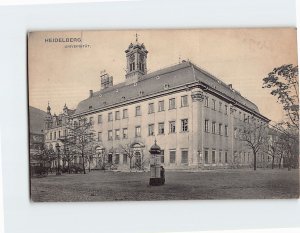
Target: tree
{"x": 254, "y": 135}
{"x": 283, "y": 82}
{"x": 82, "y": 137}
{"x": 68, "y": 151}
{"x": 129, "y": 152}
{"x": 45, "y": 157}
{"x": 287, "y": 145}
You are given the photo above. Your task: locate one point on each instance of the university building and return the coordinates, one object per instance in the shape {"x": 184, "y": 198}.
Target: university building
{"x": 194, "y": 116}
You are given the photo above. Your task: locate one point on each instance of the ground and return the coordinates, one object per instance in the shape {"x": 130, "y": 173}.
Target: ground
{"x": 180, "y": 185}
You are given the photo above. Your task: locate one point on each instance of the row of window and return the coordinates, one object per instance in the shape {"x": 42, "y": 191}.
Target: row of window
{"x": 151, "y": 130}
{"x": 245, "y": 118}
{"x": 151, "y": 109}
{"x": 214, "y": 127}
{"x": 55, "y": 135}
{"x": 214, "y": 107}
{"x": 213, "y": 159}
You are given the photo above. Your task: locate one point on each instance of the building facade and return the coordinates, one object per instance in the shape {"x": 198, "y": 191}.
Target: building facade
{"x": 194, "y": 116}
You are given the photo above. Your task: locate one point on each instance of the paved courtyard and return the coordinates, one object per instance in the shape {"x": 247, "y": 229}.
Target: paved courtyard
{"x": 180, "y": 185}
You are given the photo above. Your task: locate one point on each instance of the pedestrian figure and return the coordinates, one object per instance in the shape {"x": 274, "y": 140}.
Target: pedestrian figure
{"x": 162, "y": 175}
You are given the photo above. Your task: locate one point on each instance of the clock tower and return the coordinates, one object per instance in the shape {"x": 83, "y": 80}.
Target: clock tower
{"x": 136, "y": 56}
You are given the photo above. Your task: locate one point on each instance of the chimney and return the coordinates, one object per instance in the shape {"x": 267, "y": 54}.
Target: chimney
{"x": 106, "y": 80}
{"x": 230, "y": 86}
{"x": 91, "y": 93}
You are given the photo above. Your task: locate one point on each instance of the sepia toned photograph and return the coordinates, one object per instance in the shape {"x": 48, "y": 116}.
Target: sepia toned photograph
{"x": 146, "y": 115}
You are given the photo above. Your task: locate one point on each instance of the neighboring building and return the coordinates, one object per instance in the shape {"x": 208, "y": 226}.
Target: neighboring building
{"x": 55, "y": 128}
{"x": 36, "y": 132}
{"x": 194, "y": 116}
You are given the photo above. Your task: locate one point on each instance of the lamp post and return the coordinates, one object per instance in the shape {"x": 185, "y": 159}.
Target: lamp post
{"x": 57, "y": 146}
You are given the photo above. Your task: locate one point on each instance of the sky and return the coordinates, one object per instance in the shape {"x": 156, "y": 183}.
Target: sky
{"x": 241, "y": 57}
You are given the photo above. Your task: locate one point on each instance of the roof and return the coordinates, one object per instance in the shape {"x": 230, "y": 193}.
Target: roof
{"x": 36, "y": 120}
{"x": 154, "y": 83}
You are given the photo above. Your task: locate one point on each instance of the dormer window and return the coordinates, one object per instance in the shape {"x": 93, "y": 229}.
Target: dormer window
{"x": 90, "y": 107}
{"x": 166, "y": 86}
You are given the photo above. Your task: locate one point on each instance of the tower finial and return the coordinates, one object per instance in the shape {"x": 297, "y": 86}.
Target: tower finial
{"x": 48, "y": 108}
{"x": 136, "y": 37}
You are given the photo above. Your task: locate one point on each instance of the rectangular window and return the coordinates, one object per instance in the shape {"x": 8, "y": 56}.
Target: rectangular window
{"x": 206, "y": 101}
{"x": 110, "y": 116}
{"x": 50, "y": 136}
{"x": 125, "y": 113}
{"x": 213, "y": 156}
{"x": 184, "y": 125}
{"x": 226, "y": 130}
{"x": 226, "y": 110}
{"x": 206, "y": 156}
{"x": 213, "y": 104}
{"x": 184, "y": 157}
{"x": 117, "y": 134}
{"x": 124, "y": 158}
{"x": 206, "y": 126}
{"x": 240, "y": 115}
{"x": 161, "y": 128}
{"x": 151, "y": 129}
{"x": 54, "y": 135}
{"x": 220, "y": 129}
{"x": 151, "y": 108}
{"x": 184, "y": 101}
{"x": 65, "y": 132}
{"x": 172, "y": 127}
{"x": 110, "y": 135}
{"x": 137, "y": 110}
{"x": 117, "y": 115}
{"x": 99, "y": 119}
{"x": 99, "y": 136}
{"x": 226, "y": 157}
{"x": 91, "y": 120}
{"x": 213, "y": 127}
{"x": 137, "y": 131}
{"x": 117, "y": 158}
{"x": 125, "y": 133}
{"x": 172, "y": 103}
{"x": 58, "y": 134}
{"x": 162, "y": 156}
{"x": 161, "y": 106}
{"x": 172, "y": 156}
{"x": 110, "y": 156}
{"x": 235, "y": 132}
{"x": 220, "y": 156}
{"x": 220, "y": 106}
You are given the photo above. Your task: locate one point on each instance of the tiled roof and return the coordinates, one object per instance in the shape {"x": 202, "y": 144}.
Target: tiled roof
{"x": 154, "y": 83}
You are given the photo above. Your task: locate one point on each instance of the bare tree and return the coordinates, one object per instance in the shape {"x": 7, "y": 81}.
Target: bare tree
{"x": 45, "y": 157}
{"x": 287, "y": 144}
{"x": 82, "y": 136}
{"x": 254, "y": 135}
{"x": 68, "y": 152}
{"x": 129, "y": 152}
